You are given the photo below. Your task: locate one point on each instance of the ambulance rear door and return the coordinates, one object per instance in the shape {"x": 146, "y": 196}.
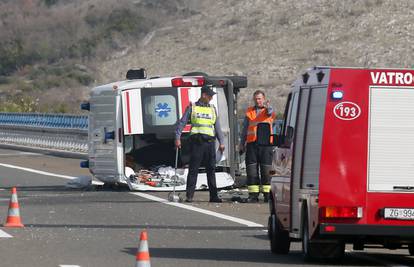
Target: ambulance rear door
{"x": 150, "y": 110}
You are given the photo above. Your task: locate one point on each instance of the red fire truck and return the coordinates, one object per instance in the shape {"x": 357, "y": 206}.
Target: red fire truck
{"x": 344, "y": 162}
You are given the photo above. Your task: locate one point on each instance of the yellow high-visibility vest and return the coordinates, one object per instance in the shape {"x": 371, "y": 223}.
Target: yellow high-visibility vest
{"x": 203, "y": 120}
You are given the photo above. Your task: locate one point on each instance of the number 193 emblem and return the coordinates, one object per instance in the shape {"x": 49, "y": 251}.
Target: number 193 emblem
{"x": 347, "y": 111}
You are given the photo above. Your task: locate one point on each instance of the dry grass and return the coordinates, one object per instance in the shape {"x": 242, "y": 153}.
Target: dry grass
{"x": 270, "y": 41}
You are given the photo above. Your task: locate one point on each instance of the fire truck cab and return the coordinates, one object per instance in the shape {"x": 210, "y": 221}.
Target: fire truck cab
{"x": 343, "y": 169}
{"x": 132, "y": 124}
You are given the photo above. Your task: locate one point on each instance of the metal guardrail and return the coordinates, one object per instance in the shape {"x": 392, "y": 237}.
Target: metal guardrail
{"x": 56, "y": 132}
{"x": 45, "y": 120}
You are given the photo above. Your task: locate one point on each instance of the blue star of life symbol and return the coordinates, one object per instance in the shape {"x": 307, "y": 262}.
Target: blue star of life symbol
{"x": 162, "y": 110}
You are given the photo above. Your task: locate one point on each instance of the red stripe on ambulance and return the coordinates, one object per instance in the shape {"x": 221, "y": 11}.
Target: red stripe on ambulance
{"x": 128, "y": 112}
{"x": 185, "y": 101}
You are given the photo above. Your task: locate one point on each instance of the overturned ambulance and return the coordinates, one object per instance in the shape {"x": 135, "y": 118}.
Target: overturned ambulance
{"x": 132, "y": 129}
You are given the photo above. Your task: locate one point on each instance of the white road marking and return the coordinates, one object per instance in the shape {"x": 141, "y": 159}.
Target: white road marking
{"x": 208, "y": 212}
{"x": 3, "y": 234}
{"x": 69, "y": 265}
{"x": 44, "y": 173}
{"x": 148, "y": 196}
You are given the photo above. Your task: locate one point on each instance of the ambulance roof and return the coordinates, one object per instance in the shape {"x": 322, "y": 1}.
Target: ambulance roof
{"x": 138, "y": 83}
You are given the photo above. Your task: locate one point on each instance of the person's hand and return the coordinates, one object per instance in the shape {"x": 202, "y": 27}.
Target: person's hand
{"x": 177, "y": 143}
{"x": 267, "y": 104}
{"x": 221, "y": 148}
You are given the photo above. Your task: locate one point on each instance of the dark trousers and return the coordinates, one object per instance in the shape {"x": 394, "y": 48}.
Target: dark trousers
{"x": 202, "y": 151}
{"x": 258, "y": 157}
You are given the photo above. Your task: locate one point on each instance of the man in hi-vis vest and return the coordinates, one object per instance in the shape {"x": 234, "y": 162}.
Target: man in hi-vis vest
{"x": 205, "y": 127}
{"x": 257, "y": 157}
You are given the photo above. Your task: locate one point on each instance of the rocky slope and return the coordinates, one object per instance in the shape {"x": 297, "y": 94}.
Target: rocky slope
{"x": 273, "y": 41}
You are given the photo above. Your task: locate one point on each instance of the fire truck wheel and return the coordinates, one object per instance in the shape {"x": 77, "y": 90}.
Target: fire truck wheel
{"x": 411, "y": 249}
{"x": 271, "y": 205}
{"x": 306, "y": 246}
{"x": 279, "y": 239}
{"x": 319, "y": 251}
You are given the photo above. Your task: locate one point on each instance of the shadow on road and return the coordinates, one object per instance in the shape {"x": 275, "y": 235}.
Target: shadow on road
{"x": 44, "y": 188}
{"x": 250, "y": 255}
{"x": 261, "y": 237}
{"x": 388, "y": 258}
{"x": 222, "y": 254}
{"x": 64, "y": 188}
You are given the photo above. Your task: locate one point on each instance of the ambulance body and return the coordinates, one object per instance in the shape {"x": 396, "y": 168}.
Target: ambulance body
{"x": 344, "y": 163}
{"x": 136, "y": 119}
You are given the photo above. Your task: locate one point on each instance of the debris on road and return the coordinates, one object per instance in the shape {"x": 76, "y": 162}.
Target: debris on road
{"x": 234, "y": 195}
{"x": 81, "y": 182}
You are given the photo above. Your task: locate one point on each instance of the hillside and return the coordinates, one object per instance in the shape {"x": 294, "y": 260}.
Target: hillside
{"x": 50, "y": 50}
{"x": 270, "y": 41}
{"x": 273, "y": 41}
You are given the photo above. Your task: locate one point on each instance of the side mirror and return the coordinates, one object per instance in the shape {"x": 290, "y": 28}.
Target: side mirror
{"x": 265, "y": 138}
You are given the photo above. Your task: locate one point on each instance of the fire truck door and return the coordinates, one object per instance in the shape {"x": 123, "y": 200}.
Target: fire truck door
{"x": 282, "y": 162}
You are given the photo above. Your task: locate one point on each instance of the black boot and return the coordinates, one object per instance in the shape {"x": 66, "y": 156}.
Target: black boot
{"x": 189, "y": 197}
{"x": 253, "y": 198}
{"x": 215, "y": 200}
{"x": 265, "y": 197}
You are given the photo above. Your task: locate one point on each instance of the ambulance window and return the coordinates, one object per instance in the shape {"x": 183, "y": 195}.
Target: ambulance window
{"x": 128, "y": 143}
{"x": 160, "y": 110}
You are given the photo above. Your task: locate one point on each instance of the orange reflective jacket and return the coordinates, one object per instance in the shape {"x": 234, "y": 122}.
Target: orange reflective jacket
{"x": 255, "y": 119}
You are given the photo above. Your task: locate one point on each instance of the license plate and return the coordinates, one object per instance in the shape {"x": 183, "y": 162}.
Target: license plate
{"x": 399, "y": 213}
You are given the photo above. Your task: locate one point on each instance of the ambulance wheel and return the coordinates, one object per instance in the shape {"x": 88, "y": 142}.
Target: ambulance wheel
{"x": 279, "y": 239}
{"x": 319, "y": 251}
{"x": 411, "y": 249}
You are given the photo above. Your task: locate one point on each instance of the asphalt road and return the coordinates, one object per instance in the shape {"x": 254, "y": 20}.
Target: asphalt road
{"x": 101, "y": 227}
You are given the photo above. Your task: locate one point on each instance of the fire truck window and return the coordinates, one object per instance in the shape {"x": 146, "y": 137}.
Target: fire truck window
{"x": 287, "y": 111}
{"x": 290, "y": 119}
{"x": 293, "y": 110}
{"x": 160, "y": 110}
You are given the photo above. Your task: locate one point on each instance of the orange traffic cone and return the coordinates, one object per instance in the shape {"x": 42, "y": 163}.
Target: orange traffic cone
{"x": 13, "y": 217}
{"x": 143, "y": 257}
